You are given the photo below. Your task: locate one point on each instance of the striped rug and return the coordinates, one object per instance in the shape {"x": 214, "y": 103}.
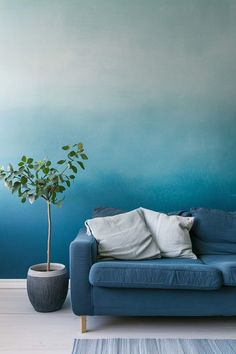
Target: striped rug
{"x": 154, "y": 346}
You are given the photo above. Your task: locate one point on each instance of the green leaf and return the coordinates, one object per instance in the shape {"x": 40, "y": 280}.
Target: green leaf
{"x": 81, "y": 164}
{"x": 30, "y": 160}
{"x": 60, "y": 162}
{"x": 80, "y": 146}
{"x": 73, "y": 168}
{"x": 23, "y": 200}
{"x": 66, "y": 147}
{"x": 48, "y": 163}
{"x": 54, "y": 195}
{"x": 84, "y": 156}
{"x": 61, "y": 178}
{"x": 72, "y": 153}
{"x": 23, "y": 180}
{"x": 53, "y": 169}
{"x": 21, "y": 163}
{"x": 40, "y": 162}
{"x": 72, "y": 177}
{"x": 68, "y": 183}
{"x": 31, "y": 166}
{"x": 24, "y": 158}
{"x": 60, "y": 189}
{"x": 45, "y": 170}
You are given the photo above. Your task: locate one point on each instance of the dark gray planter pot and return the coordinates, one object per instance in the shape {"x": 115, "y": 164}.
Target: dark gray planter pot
{"x": 47, "y": 290}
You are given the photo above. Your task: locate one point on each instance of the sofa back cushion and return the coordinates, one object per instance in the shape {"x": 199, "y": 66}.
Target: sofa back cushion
{"x": 214, "y": 231}
{"x": 100, "y": 212}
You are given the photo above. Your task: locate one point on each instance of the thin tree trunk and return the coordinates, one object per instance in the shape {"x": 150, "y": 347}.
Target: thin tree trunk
{"x": 49, "y": 236}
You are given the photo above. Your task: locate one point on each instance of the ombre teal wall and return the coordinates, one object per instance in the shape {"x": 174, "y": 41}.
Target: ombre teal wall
{"x": 148, "y": 86}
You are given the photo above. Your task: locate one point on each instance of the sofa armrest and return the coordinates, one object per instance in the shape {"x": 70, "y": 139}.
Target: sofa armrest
{"x": 83, "y": 253}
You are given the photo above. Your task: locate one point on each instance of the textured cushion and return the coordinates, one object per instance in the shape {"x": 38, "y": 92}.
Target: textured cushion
{"x": 159, "y": 273}
{"x": 214, "y": 231}
{"x": 123, "y": 236}
{"x": 225, "y": 263}
{"x": 171, "y": 233}
{"x": 107, "y": 211}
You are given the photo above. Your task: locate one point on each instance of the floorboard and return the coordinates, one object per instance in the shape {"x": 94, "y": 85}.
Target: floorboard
{"x": 22, "y": 330}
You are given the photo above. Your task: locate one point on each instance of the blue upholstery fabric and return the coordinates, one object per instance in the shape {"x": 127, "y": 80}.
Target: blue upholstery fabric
{"x": 225, "y": 263}
{"x": 162, "y": 273}
{"x": 214, "y": 231}
{"x": 161, "y": 302}
{"x": 180, "y": 213}
{"x": 83, "y": 253}
{"x": 107, "y": 211}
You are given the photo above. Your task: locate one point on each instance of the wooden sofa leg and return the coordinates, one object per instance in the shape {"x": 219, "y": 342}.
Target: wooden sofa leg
{"x": 83, "y": 324}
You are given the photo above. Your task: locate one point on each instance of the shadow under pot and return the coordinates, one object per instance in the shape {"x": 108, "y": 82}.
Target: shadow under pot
{"x": 47, "y": 290}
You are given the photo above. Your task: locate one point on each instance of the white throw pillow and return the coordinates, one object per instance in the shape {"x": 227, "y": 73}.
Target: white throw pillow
{"x": 123, "y": 236}
{"x": 171, "y": 233}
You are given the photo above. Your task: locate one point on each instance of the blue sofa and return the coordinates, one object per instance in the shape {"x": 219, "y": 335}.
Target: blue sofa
{"x": 159, "y": 287}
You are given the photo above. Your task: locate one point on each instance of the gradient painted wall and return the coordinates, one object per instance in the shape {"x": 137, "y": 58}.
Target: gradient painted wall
{"x": 148, "y": 86}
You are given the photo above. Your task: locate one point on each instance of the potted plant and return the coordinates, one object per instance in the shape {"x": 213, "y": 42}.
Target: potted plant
{"x": 47, "y": 283}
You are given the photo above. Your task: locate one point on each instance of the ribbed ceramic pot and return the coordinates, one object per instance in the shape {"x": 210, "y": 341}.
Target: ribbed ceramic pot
{"x": 47, "y": 290}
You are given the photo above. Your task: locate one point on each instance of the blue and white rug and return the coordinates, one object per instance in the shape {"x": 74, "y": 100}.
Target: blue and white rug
{"x": 154, "y": 346}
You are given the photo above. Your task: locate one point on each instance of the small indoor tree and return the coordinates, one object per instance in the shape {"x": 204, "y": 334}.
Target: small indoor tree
{"x": 33, "y": 179}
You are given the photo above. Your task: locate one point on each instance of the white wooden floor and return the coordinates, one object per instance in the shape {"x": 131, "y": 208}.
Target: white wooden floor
{"x": 22, "y": 330}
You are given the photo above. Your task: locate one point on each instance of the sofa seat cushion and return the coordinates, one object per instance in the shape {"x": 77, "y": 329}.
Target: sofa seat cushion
{"x": 225, "y": 263}
{"x": 165, "y": 273}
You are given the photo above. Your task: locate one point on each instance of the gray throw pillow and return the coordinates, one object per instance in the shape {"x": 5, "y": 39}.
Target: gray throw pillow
{"x": 123, "y": 236}
{"x": 171, "y": 233}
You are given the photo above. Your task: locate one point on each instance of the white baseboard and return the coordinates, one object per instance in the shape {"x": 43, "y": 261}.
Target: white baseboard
{"x": 15, "y": 283}
{"x": 12, "y": 283}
